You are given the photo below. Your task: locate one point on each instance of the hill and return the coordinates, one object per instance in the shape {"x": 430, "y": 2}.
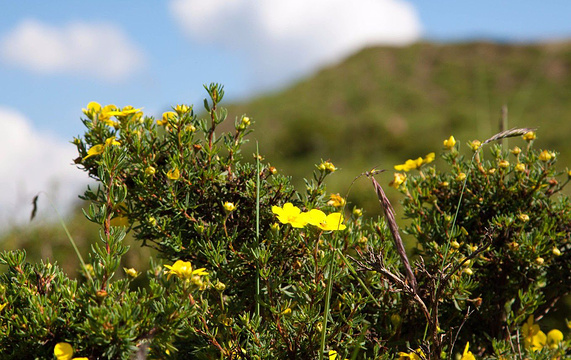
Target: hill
{"x": 384, "y": 105}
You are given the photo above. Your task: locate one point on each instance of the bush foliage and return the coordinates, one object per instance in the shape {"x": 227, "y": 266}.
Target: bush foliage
{"x": 251, "y": 268}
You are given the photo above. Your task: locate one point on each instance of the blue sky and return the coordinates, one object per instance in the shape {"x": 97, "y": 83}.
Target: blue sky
{"x": 56, "y": 56}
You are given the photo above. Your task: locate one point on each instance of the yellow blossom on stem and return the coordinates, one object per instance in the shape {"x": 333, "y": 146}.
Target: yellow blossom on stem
{"x": 516, "y": 150}
{"x": 554, "y": 337}
{"x": 467, "y": 354}
{"x": 166, "y": 116}
{"x": 127, "y": 110}
{"x": 415, "y": 164}
{"x": 112, "y": 141}
{"x": 336, "y": 200}
{"x": 327, "y": 166}
{"x": 333, "y": 221}
{"x": 413, "y": 355}
{"x": 449, "y": 143}
{"x": 290, "y": 214}
{"x": 64, "y": 351}
{"x": 461, "y": 176}
{"x": 93, "y": 107}
{"x": 533, "y": 337}
{"x": 475, "y": 144}
{"x": 228, "y": 206}
{"x": 173, "y": 174}
{"x": 503, "y": 164}
{"x": 244, "y": 123}
{"x": 520, "y": 167}
{"x": 182, "y": 109}
{"x": 529, "y": 136}
{"x": 183, "y": 270}
{"x": 545, "y": 156}
{"x": 150, "y": 170}
{"x": 131, "y": 272}
{"x": 2, "y": 306}
{"x": 398, "y": 180}
{"x": 94, "y": 150}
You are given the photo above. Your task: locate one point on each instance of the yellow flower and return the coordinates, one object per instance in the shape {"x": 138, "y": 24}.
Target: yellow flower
{"x": 183, "y": 270}
{"x": 127, "y": 110}
{"x": 449, "y": 144}
{"x": 327, "y": 166}
{"x": 461, "y": 176}
{"x": 93, "y": 107}
{"x": 409, "y": 165}
{"x": 150, "y": 170}
{"x": 520, "y": 167}
{"x": 555, "y": 251}
{"x": 182, "y": 109}
{"x": 332, "y": 355}
{"x": 545, "y": 156}
{"x": 228, "y": 206}
{"x": 415, "y": 164}
{"x": 112, "y": 141}
{"x": 2, "y": 306}
{"x": 166, "y": 116}
{"x": 413, "y": 355}
{"x": 173, "y": 174}
{"x": 533, "y": 337}
{"x": 539, "y": 260}
{"x": 244, "y": 123}
{"x": 475, "y": 144}
{"x": 95, "y": 150}
{"x": 398, "y": 180}
{"x": 290, "y": 214}
{"x": 516, "y": 150}
{"x": 336, "y": 200}
{"x": 131, "y": 272}
{"x": 63, "y": 351}
{"x": 467, "y": 354}
{"x": 333, "y": 221}
{"x": 528, "y": 136}
{"x": 523, "y": 217}
{"x": 502, "y": 164}
{"x": 286, "y": 312}
{"x": 554, "y": 337}
{"x": 429, "y": 158}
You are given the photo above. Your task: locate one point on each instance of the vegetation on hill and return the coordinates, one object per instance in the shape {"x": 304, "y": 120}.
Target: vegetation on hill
{"x": 384, "y": 105}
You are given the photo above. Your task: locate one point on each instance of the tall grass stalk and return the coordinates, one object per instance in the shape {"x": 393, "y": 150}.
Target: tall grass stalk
{"x": 257, "y": 228}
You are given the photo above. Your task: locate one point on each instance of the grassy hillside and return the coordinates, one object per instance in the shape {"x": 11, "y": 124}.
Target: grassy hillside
{"x": 384, "y": 105}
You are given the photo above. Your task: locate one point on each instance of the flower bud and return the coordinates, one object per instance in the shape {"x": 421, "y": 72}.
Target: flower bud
{"x": 150, "y": 170}
{"x": 529, "y": 136}
{"x": 229, "y": 207}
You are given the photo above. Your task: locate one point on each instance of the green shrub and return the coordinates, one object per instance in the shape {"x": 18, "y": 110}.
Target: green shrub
{"x": 256, "y": 269}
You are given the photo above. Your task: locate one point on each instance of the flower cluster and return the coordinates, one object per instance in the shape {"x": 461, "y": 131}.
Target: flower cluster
{"x": 415, "y": 164}
{"x": 290, "y": 214}
{"x": 64, "y": 351}
{"x": 535, "y": 339}
{"x": 105, "y": 113}
{"x": 184, "y": 271}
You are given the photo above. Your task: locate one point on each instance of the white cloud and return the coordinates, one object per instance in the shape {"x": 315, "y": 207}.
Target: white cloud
{"x": 284, "y": 39}
{"x": 30, "y": 163}
{"x": 91, "y": 50}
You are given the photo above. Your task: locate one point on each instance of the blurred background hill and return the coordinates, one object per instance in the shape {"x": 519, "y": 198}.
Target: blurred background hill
{"x": 384, "y": 105}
